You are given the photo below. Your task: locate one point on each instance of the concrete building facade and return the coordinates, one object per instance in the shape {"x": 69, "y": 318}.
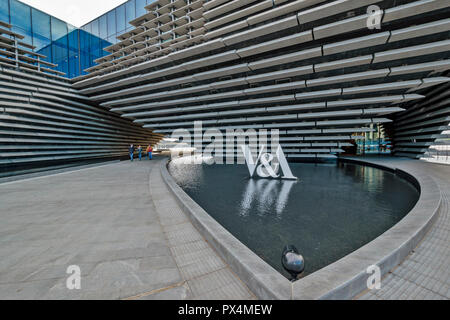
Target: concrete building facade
{"x": 320, "y": 71}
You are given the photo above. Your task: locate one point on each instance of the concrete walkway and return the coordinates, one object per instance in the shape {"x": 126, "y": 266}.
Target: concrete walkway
{"x": 425, "y": 274}
{"x": 120, "y": 225}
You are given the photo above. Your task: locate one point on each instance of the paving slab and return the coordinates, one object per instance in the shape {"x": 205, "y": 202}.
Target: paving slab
{"x": 118, "y": 223}
{"x": 424, "y": 274}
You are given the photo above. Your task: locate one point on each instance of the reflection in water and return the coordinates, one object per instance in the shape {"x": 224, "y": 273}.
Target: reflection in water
{"x": 331, "y": 211}
{"x": 268, "y": 194}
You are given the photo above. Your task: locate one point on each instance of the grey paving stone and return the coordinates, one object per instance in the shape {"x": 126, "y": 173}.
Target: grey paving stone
{"x": 32, "y": 290}
{"x": 201, "y": 267}
{"x": 189, "y": 247}
{"x": 177, "y": 293}
{"x": 107, "y": 220}
{"x": 196, "y": 257}
{"x": 233, "y": 291}
{"x": 182, "y": 233}
{"x": 155, "y": 263}
{"x": 424, "y": 274}
{"x": 212, "y": 281}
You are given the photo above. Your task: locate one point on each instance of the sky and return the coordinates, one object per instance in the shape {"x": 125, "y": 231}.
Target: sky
{"x": 75, "y": 12}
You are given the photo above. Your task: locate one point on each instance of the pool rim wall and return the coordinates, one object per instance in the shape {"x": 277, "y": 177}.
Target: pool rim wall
{"x": 342, "y": 279}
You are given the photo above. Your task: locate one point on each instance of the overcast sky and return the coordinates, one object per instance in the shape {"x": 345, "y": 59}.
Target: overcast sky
{"x": 75, "y": 12}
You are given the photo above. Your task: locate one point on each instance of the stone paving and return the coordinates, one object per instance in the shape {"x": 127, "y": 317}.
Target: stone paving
{"x": 120, "y": 225}
{"x": 425, "y": 274}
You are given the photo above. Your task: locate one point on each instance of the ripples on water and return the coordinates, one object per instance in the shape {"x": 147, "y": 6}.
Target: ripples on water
{"x": 331, "y": 211}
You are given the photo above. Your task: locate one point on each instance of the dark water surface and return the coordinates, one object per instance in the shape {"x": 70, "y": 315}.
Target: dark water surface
{"x": 330, "y": 212}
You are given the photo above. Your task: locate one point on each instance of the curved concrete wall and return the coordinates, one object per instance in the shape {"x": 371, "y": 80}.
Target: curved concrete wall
{"x": 423, "y": 130}
{"x": 43, "y": 121}
{"x": 312, "y": 65}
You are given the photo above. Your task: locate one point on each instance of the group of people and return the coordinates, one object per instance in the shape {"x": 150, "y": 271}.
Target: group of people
{"x": 149, "y": 150}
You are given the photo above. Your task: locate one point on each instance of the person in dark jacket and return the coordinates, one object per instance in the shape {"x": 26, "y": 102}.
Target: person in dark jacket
{"x": 131, "y": 150}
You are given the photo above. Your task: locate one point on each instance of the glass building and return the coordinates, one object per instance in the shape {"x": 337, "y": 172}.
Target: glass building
{"x": 72, "y": 49}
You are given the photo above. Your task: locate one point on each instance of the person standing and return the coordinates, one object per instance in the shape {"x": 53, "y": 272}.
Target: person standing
{"x": 149, "y": 152}
{"x": 131, "y": 151}
{"x": 140, "y": 152}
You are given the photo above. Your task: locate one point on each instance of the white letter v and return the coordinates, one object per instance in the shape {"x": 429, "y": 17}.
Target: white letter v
{"x": 251, "y": 164}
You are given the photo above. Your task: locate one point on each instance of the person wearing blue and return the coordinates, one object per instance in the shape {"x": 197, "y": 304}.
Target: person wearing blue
{"x": 131, "y": 150}
{"x": 140, "y": 152}
{"x": 149, "y": 152}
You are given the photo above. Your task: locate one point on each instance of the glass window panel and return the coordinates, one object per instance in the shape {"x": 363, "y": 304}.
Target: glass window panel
{"x": 59, "y": 29}
{"x": 84, "y": 62}
{"x": 112, "y": 23}
{"x": 60, "y": 57}
{"x": 104, "y": 44}
{"x": 26, "y": 33}
{"x": 63, "y": 44}
{"x": 22, "y": 15}
{"x": 95, "y": 28}
{"x": 103, "y": 26}
{"x": 60, "y": 45}
{"x": 112, "y": 39}
{"x": 87, "y": 28}
{"x": 95, "y": 46}
{"x": 140, "y": 7}
{"x": 131, "y": 11}
{"x": 84, "y": 41}
{"x": 73, "y": 41}
{"x": 73, "y": 67}
{"x": 41, "y": 23}
{"x": 4, "y": 11}
{"x": 46, "y": 51}
{"x": 41, "y": 43}
{"x": 120, "y": 18}
{"x": 59, "y": 53}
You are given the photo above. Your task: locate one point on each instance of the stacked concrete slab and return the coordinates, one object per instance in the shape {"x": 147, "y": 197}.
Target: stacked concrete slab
{"x": 46, "y": 122}
{"x": 423, "y": 130}
{"x": 320, "y": 71}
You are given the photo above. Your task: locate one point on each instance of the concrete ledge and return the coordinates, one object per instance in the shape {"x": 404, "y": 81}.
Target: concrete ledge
{"x": 343, "y": 279}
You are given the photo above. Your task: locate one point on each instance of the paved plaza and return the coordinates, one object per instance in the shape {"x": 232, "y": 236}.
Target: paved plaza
{"x": 121, "y": 225}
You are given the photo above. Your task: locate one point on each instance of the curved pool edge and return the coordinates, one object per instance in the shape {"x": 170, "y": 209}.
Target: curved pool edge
{"x": 261, "y": 278}
{"x": 343, "y": 279}
{"x": 347, "y": 277}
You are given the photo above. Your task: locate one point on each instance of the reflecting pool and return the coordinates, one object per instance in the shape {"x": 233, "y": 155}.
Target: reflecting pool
{"x": 331, "y": 211}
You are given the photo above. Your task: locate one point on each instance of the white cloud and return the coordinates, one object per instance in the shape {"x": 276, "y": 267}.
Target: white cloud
{"x": 75, "y": 12}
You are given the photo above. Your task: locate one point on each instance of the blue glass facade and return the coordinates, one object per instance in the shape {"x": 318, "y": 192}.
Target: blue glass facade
{"x": 72, "y": 49}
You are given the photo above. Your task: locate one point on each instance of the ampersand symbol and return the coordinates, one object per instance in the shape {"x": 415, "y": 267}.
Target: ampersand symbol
{"x": 374, "y": 19}
{"x": 265, "y": 169}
